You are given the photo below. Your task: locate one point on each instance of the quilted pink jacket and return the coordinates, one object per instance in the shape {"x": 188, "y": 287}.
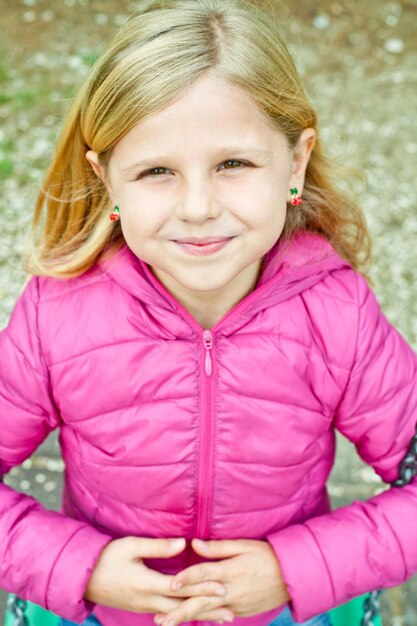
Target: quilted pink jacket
{"x": 168, "y": 429}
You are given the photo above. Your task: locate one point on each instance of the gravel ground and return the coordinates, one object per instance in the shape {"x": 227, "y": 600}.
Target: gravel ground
{"x": 359, "y": 63}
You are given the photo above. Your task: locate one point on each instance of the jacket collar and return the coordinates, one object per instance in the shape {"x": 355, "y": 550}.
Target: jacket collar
{"x": 289, "y": 268}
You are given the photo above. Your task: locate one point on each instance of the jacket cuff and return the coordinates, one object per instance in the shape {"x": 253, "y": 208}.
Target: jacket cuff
{"x": 72, "y": 571}
{"x": 304, "y": 572}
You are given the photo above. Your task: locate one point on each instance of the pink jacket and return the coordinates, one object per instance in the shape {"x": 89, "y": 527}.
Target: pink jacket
{"x": 170, "y": 430}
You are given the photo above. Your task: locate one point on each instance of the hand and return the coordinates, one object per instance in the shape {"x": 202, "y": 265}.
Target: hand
{"x": 249, "y": 570}
{"x": 120, "y": 579}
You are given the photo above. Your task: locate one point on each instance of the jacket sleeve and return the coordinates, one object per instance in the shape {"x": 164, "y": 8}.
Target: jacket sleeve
{"x": 369, "y": 545}
{"x": 45, "y": 557}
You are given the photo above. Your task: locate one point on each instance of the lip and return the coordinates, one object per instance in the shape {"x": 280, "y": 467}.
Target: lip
{"x": 201, "y": 241}
{"x": 205, "y": 249}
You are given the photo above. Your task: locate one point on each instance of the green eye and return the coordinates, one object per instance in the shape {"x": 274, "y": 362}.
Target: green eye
{"x": 233, "y": 161}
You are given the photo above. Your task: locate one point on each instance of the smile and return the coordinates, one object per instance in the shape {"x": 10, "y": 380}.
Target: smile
{"x": 203, "y": 249}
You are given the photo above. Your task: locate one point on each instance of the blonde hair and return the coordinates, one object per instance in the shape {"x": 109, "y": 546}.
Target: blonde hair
{"x": 160, "y": 51}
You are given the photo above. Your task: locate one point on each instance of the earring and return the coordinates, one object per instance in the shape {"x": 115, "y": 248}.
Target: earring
{"x": 115, "y": 215}
{"x": 295, "y": 198}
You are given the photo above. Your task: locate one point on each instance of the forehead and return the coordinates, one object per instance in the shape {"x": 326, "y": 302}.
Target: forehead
{"x": 207, "y": 116}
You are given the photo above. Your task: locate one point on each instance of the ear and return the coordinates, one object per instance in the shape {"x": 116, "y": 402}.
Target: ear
{"x": 301, "y": 156}
{"x": 100, "y": 171}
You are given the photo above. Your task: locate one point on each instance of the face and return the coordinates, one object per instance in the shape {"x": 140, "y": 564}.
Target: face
{"x": 208, "y": 165}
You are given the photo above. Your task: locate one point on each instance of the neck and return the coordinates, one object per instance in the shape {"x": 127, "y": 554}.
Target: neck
{"x": 210, "y": 307}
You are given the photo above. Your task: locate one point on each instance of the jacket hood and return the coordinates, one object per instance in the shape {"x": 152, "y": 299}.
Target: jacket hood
{"x": 289, "y": 268}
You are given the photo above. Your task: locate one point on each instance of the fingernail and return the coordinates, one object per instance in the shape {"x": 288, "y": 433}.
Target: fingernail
{"x": 177, "y": 585}
{"x": 177, "y": 543}
{"x": 228, "y": 618}
{"x": 220, "y": 591}
{"x": 158, "y": 620}
{"x": 170, "y": 622}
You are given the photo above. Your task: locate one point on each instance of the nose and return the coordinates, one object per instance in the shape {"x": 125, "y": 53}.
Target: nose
{"x": 196, "y": 203}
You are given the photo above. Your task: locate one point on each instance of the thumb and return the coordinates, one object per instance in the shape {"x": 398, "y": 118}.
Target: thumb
{"x": 145, "y": 547}
{"x": 218, "y": 549}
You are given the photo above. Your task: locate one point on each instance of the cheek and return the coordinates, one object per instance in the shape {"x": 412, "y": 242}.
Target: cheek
{"x": 267, "y": 209}
{"x": 140, "y": 217}
{"x": 141, "y": 235}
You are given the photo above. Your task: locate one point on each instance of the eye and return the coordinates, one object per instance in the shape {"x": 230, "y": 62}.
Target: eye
{"x": 164, "y": 169}
{"x": 149, "y": 172}
{"x": 233, "y": 161}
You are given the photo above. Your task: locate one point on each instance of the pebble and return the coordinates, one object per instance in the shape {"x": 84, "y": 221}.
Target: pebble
{"x": 29, "y": 16}
{"x": 50, "y": 486}
{"x": 47, "y": 16}
{"x": 321, "y": 22}
{"x": 391, "y": 20}
{"x": 75, "y": 62}
{"x": 395, "y": 46}
{"x": 101, "y": 18}
{"x": 119, "y": 20}
{"x": 368, "y": 475}
{"x": 354, "y": 38}
{"x": 411, "y": 148}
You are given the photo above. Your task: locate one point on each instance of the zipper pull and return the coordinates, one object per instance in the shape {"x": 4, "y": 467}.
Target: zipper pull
{"x": 208, "y": 343}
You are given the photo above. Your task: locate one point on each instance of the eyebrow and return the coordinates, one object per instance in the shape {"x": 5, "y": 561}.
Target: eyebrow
{"x": 255, "y": 152}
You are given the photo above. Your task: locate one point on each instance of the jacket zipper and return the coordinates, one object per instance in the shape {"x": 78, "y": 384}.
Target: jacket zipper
{"x": 208, "y": 344}
{"x": 206, "y": 443}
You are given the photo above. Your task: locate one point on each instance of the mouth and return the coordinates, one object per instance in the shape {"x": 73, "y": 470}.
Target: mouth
{"x": 202, "y": 241}
{"x": 201, "y": 249}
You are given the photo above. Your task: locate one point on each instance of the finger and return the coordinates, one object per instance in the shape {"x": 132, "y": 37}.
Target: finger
{"x": 144, "y": 547}
{"x": 156, "y": 583}
{"x": 162, "y": 605}
{"x": 160, "y": 585}
{"x": 209, "y": 588}
{"x": 215, "y": 615}
{"x": 220, "y": 548}
{"x": 190, "y": 608}
{"x": 202, "y": 572}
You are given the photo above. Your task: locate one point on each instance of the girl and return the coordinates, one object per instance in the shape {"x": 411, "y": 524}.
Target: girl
{"x": 197, "y": 325}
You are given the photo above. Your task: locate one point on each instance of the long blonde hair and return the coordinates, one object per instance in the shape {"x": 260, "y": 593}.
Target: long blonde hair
{"x": 159, "y": 52}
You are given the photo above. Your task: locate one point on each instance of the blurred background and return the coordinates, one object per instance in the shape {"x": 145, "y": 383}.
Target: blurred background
{"x": 359, "y": 64}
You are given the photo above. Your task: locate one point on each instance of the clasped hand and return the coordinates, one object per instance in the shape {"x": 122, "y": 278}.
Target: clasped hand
{"x": 247, "y": 572}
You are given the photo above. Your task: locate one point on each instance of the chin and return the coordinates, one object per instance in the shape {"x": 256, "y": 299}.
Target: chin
{"x": 202, "y": 283}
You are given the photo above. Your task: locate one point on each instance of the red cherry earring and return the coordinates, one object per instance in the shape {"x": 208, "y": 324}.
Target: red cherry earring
{"x": 295, "y": 198}
{"x": 115, "y": 215}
